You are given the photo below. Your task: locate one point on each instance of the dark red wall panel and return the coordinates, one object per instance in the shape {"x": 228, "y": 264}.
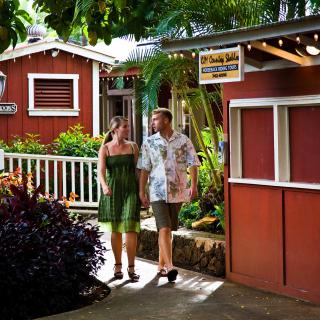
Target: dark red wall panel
{"x": 304, "y": 144}
{"x": 256, "y": 232}
{"x": 257, "y": 143}
{"x": 302, "y": 238}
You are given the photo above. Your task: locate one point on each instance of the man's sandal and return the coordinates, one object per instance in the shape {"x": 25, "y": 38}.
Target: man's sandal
{"x": 172, "y": 275}
{"x": 118, "y": 274}
{"x": 162, "y": 273}
{"x": 132, "y": 275}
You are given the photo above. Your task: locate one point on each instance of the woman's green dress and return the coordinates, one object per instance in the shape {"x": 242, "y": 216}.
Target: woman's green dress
{"x": 121, "y": 211}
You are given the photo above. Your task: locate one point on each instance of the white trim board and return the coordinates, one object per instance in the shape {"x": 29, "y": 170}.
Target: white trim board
{"x": 45, "y": 45}
{"x": 280, "y": 101}
{"x": 95, "y": 99}
{"x": 297, "y": 185}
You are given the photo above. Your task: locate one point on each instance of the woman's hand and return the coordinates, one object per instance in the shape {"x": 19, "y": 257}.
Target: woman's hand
{"x": 107, "y": 191}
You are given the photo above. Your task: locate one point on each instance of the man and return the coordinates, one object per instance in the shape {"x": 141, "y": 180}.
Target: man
{"x": 164, "y": 159}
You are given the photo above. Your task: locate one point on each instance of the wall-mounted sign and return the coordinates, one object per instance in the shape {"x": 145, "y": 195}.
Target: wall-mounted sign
{"x": 217, "y": 66}
{"x": 8, "y": 108}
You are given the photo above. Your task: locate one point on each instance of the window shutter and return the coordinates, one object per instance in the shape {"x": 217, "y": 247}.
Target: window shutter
{"x": 53, "y": 93}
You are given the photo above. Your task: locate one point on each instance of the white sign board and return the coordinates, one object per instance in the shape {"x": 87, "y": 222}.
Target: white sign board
{"x": 8, "y": 108}
{"x": 224, "y": 65}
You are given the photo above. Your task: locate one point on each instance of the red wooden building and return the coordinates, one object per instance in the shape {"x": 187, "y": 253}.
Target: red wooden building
{"x": 272, "y": 175}
{"x": 54, "y": 85}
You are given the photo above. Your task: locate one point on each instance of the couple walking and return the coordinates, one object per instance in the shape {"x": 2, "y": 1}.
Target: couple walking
{"x": 163, "y": 161}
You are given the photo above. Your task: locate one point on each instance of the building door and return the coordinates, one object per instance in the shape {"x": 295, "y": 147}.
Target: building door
{"x": 121, "y": 106}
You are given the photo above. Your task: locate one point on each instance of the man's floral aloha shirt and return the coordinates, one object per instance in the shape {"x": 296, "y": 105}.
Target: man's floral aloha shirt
{"x": 167, "y": 162}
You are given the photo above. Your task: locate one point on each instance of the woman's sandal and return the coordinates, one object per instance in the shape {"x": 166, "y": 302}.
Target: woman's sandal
{"x": 132, "y": 275}
{"x": 119, "y": 274}
{"x": 162, "y": 273}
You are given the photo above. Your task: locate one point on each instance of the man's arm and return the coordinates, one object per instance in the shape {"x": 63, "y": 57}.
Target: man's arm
{"x": 194, "y": 182}
{"x": 144, "y": 175}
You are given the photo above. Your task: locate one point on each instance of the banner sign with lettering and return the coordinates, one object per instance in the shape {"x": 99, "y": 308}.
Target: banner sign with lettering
{"x": 224, "y": 65}
{"x": 8, "y": 108}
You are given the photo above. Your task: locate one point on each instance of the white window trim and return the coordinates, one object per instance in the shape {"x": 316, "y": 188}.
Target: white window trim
{"x": 280, "y": 108}
{"x": 95, "y": 99}
{"x": 53, "y": 112}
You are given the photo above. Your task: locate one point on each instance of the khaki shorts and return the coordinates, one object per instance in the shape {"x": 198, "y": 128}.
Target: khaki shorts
{"x": 166, "y": 214}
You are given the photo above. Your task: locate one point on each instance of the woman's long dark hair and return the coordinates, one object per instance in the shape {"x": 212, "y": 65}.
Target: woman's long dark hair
{"x": 115, "y": 123}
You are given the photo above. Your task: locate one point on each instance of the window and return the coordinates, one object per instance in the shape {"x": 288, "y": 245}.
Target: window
{"x": 275, "y": 141}
{"x": 53, "y": 94}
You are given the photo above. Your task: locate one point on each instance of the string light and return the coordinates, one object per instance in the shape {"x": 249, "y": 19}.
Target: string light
{"x": 88, "y": 60}
{"x": 127, "y": 78}
{"x": 193, "y": 54}
{"x": 264, "y": 43}
{"x": 298, "y": 39}
{"x": 73, "y": 56}
{"x": 181, "y": 55}
{"x": 175, "y": 55}
{"x": 315, "y": 37}
{"x": 280, "y": 42}
{"x": 14, "y": 60}
{"x": 29, "y": 56}
{"x": 169, "y": 56}
{"x": 249, "y": 46}
{"x": 44, "y": 52}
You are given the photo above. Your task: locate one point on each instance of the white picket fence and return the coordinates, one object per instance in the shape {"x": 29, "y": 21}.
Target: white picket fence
{"x": 59, "y": 175}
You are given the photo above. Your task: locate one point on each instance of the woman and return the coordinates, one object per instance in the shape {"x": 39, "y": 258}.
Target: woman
{"x": 119, "y": 206}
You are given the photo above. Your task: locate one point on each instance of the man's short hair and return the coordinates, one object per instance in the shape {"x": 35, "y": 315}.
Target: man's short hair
{"x": 164, "y": 112}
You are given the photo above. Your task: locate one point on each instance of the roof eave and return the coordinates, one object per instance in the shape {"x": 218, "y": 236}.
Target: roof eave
{"x": 243, "y": 35}
{"x": 56, "y": 44}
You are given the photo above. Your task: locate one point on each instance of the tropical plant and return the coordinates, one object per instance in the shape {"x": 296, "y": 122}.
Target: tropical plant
{"x": 29, "y": 144}
{"x": 76, "y": 143}
{"x": 189, "y": 213}
{"x": 219, "y": 213}
{"x": 47, "y": 260}
{"x": 11, "y": 25}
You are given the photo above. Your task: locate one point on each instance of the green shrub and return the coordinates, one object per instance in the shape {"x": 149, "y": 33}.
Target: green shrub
{"x": 189, "y": 213}
{"x": 219, "y": 213}
{"x": 30, "y": 144}
{"x": 75, "y": 143}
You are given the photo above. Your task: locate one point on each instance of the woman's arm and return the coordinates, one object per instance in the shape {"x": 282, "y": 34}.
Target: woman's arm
{"x": 102, "y": 171}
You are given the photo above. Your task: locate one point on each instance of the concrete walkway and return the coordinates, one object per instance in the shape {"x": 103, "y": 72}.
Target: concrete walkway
{"x": 192, "y": 296}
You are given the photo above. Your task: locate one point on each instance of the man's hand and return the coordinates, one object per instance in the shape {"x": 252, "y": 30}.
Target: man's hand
{"x": 193, "y": 193}
{"x": 144, "y": 200}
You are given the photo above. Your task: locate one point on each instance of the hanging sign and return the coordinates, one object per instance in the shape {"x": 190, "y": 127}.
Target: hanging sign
{"x": 224, "y": 65}
{"x": 8, "y": 108}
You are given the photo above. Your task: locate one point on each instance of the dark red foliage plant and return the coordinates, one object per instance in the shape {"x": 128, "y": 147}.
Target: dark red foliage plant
{"x": 46, "y": 258}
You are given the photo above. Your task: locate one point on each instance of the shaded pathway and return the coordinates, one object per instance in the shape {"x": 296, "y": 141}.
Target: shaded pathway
{"x": 193, "y": 296}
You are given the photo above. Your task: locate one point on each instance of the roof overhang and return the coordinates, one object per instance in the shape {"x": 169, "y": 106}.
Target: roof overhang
{"x": 44, "y": 45}
{"x": 261, "y": 55}
{"x": 243, "y": 35}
